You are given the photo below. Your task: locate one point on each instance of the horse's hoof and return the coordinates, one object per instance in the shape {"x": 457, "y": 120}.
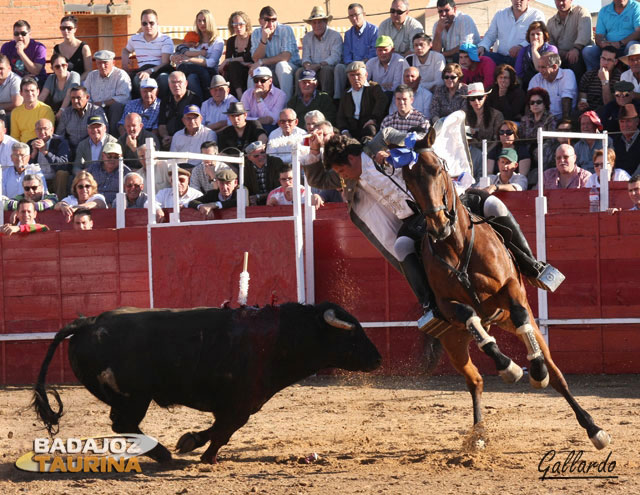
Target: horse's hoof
{"x": 186, "y": 443}
{"x": 601, "y": 439}
{"x": 512, "y": 373}
{"x": 538, "y": 374}
{"x": 539, "y": 383}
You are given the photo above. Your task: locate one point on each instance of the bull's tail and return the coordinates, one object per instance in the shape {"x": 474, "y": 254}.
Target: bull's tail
{"x": 40, "y": 402}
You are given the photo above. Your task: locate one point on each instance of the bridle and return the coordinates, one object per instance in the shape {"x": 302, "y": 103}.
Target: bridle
{"x": 451, "y": 214}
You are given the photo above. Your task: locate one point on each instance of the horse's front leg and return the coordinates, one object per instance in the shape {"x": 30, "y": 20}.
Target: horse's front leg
{"x": 507, "y": 369}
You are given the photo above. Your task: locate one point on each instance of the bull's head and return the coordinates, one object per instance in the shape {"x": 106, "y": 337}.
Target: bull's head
{"x": 331, "y": 318}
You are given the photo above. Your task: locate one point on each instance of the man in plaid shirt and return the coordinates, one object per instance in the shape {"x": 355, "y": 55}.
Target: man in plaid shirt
{"x": 147, "y": 106}
{"x": 405, "y": 117}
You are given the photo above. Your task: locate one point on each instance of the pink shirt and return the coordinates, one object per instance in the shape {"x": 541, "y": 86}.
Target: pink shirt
{"x": 483, "y": 73}
{"x": 552, "y": 179}
{"x": 271, "y": 106}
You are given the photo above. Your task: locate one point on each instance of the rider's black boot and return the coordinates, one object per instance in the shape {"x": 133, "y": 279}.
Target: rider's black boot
{"x": 540, "y": 274}
{"x": 415, "y": 275}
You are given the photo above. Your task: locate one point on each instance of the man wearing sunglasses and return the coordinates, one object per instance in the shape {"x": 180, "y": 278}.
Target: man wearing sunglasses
{"x": 27, "y": 56}
{"x": 12, "y": 177}
{"x": 34, "y": 191}
{"x": 400, "y": 27}
{"x": 622, "y": 95}
{"x": 285, "y": 136}
{"x": 264, "y": 101}
{"x": 275, "y": 46}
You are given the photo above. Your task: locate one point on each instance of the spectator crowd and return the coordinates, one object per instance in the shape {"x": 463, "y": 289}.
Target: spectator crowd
{"x": 63, "y": 133}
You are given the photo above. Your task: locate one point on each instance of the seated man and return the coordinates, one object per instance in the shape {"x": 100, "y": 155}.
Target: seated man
{"x": 172, "y": 108}
{"x": 74, "y": 121}
{"x": 109, "y": 87}
{"x": 106, "y": 172}
{"x": 82, "y": 219}
{"x": 241, "y": 132}
{"x": 633, "y": 187}
{"x": 24, "y": 117}
{"x": 90, "y": 149}
{"x": 623, "y": 95}
{"x": 274, "y": 46}
{"x": 559, "y": 83}
{"x": 186, "y": 194}
{"x": 360, "y": 39}
{"x": 134, "y": 191}
{"x": 203, "y": 175}
{"x": 161, "y": 170}
{"x": 193, "y": 135}
{"x": 216, "y": 199}
{"x": 264, "y": 102}
{"x": 474, "y": 67}
{"x": 147, "y": 106}
{"x": 6, "y": 142}
{"x": 26, "y": 220}
{"x": 261, "y": 172}
{"x": 452, "y": 29}
{"x": 322, "y": 53}
{"x": 135, "y": 135}
{"x": 507, "y": 179}
{"x": 387, "y": 67}
{"x": 362, "y": 107}
{"x": 596, "y": 87}
{"x": 9, "y": 89}
{"x": 213, "y": 110}
{"x": 566, "y": 174}
{"x": 405, "y": 117}
{"x": 13, "y": 177}
{"x": 312, "y": 118}
{"x": 400, "y": 27}
{"x": 626, "y": 144}
{"x": 285, "y": 136}
{"x": 51, "y": 152}
{"x": 33, "y": 190}
{"x": 309, "y": 98}
{"x": 429, "y": 63}
{"x": 421, "y": 96}
{"x": 283, "y": 195}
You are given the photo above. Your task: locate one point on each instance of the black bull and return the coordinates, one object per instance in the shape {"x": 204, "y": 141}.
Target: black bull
{"x": 226, "y": 361}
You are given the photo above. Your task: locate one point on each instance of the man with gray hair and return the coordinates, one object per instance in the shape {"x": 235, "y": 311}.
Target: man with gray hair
{"x": 134, "y": 191}
{"x": 559, "y": 83}
{"x": 33, "y": 190}
{"x": 312, "y": 119}
{"x": 400, "y": 27}
{"x": 282, "y": 139}
{"x": 12, "y": 177}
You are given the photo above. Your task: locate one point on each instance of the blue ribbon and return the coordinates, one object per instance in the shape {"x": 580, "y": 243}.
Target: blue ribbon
{"x": 401, "y": 157}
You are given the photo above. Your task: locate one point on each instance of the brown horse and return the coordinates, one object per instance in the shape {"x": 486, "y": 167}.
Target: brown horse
{"x": 476, "y": 284}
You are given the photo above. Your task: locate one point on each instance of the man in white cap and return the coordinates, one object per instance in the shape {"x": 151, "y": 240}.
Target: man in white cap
{"x": 191, "y": 137}
{"x": 106, "y": 172}
{"x": 322, "y": 53}
{"x": 147, "y": 106}
{"x": 213, "y": 110}
{"x": 109, "y": 87}
{"x": 632, "y": 75}
{"x": 264, "y": 102}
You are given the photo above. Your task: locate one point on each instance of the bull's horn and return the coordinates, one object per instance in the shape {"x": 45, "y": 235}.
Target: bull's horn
{"x": 331, "y": 318}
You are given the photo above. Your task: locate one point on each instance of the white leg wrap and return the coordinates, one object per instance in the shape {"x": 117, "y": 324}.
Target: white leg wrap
{"x": 474, "y": 325}
{"x": 530, "y": 341}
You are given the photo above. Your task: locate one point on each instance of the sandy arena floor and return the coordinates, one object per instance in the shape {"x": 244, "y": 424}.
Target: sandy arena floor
{"x": 372, "y": 435}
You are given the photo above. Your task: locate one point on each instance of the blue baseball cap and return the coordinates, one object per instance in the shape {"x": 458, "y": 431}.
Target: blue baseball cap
{"x": 192, "y": 109}
{"x": 471, "y": 50}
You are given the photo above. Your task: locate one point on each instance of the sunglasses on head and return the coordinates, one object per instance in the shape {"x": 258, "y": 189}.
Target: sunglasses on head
{"x": 506, "y": 132}
{"x": 20, "y": 33}
{"x": 396, "y": 11}
{"x": 536, "y": 102}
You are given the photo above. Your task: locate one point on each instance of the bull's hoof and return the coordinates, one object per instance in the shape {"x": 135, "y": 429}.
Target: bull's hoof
{"x": 538, "y": 374}
{"x": 601, "y": 439}
{"x": 209, "y": 458}
{"x": 187, "y": 443}
{"x": 512, "y": 373}
{"x": 160, "y": 454}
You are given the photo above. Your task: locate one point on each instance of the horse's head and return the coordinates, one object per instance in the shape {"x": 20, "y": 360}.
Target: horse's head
{"x": 433, "y": 190}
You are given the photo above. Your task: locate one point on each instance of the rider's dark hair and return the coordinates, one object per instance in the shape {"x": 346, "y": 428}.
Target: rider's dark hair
{"x": 338, "y": 149}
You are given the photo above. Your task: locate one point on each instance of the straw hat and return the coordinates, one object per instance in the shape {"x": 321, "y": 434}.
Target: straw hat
{"x": 476, "y": 89}
{"x": 634, "y": 50}
{"x": 317, "y": 14}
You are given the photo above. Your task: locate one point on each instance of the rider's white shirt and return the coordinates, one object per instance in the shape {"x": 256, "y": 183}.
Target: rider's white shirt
{"x": 381, "y": 188}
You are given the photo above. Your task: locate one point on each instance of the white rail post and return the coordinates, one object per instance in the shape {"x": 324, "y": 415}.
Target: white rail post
{"x": 174, "y": 217}
{"x": 150, "y": 186}
{"x": 484, "y": 180}
{"x": 121, "y": 197}
{"x": 604, "y": 175}
{"x": 297, "y": 225}
{"x": 241, "y": 201}
{"x": 541, "y": 236}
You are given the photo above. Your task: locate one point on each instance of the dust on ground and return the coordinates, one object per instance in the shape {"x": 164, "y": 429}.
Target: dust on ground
{"x": 371, "y": 434}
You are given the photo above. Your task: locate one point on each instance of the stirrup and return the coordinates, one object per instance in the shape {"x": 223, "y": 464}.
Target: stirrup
{"x": 425, "y": 319}
{"x": 548, "y": 279}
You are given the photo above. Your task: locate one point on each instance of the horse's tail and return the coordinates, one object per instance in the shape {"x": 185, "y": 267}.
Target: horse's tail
{"x": 40, "y": 402}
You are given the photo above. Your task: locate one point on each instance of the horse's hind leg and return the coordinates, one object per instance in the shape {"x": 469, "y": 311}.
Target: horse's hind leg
{"x": 507, "y": 369}
{"x": 538, "y": 374}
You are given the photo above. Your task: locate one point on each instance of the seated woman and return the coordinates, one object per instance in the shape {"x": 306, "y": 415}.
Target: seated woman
{"x": 27, "y": 56}
{"x": 507, "y": 95}
{"x": 200, "y": 63}
{"x": 448, "y": 97}
{"x": 507, "y": 137}
{"x": 483, "y": 120}
{"x": 529, "y": 56}
{"x": 537, "y": 114}
{"x": 615, "y": 174}
{"x": 507, "y": 179}
{"x": 77, "y": 53}
{"x": 238, "y": 53}
{"x": 57, "y": 90}
{"x": 84, "y": 194}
